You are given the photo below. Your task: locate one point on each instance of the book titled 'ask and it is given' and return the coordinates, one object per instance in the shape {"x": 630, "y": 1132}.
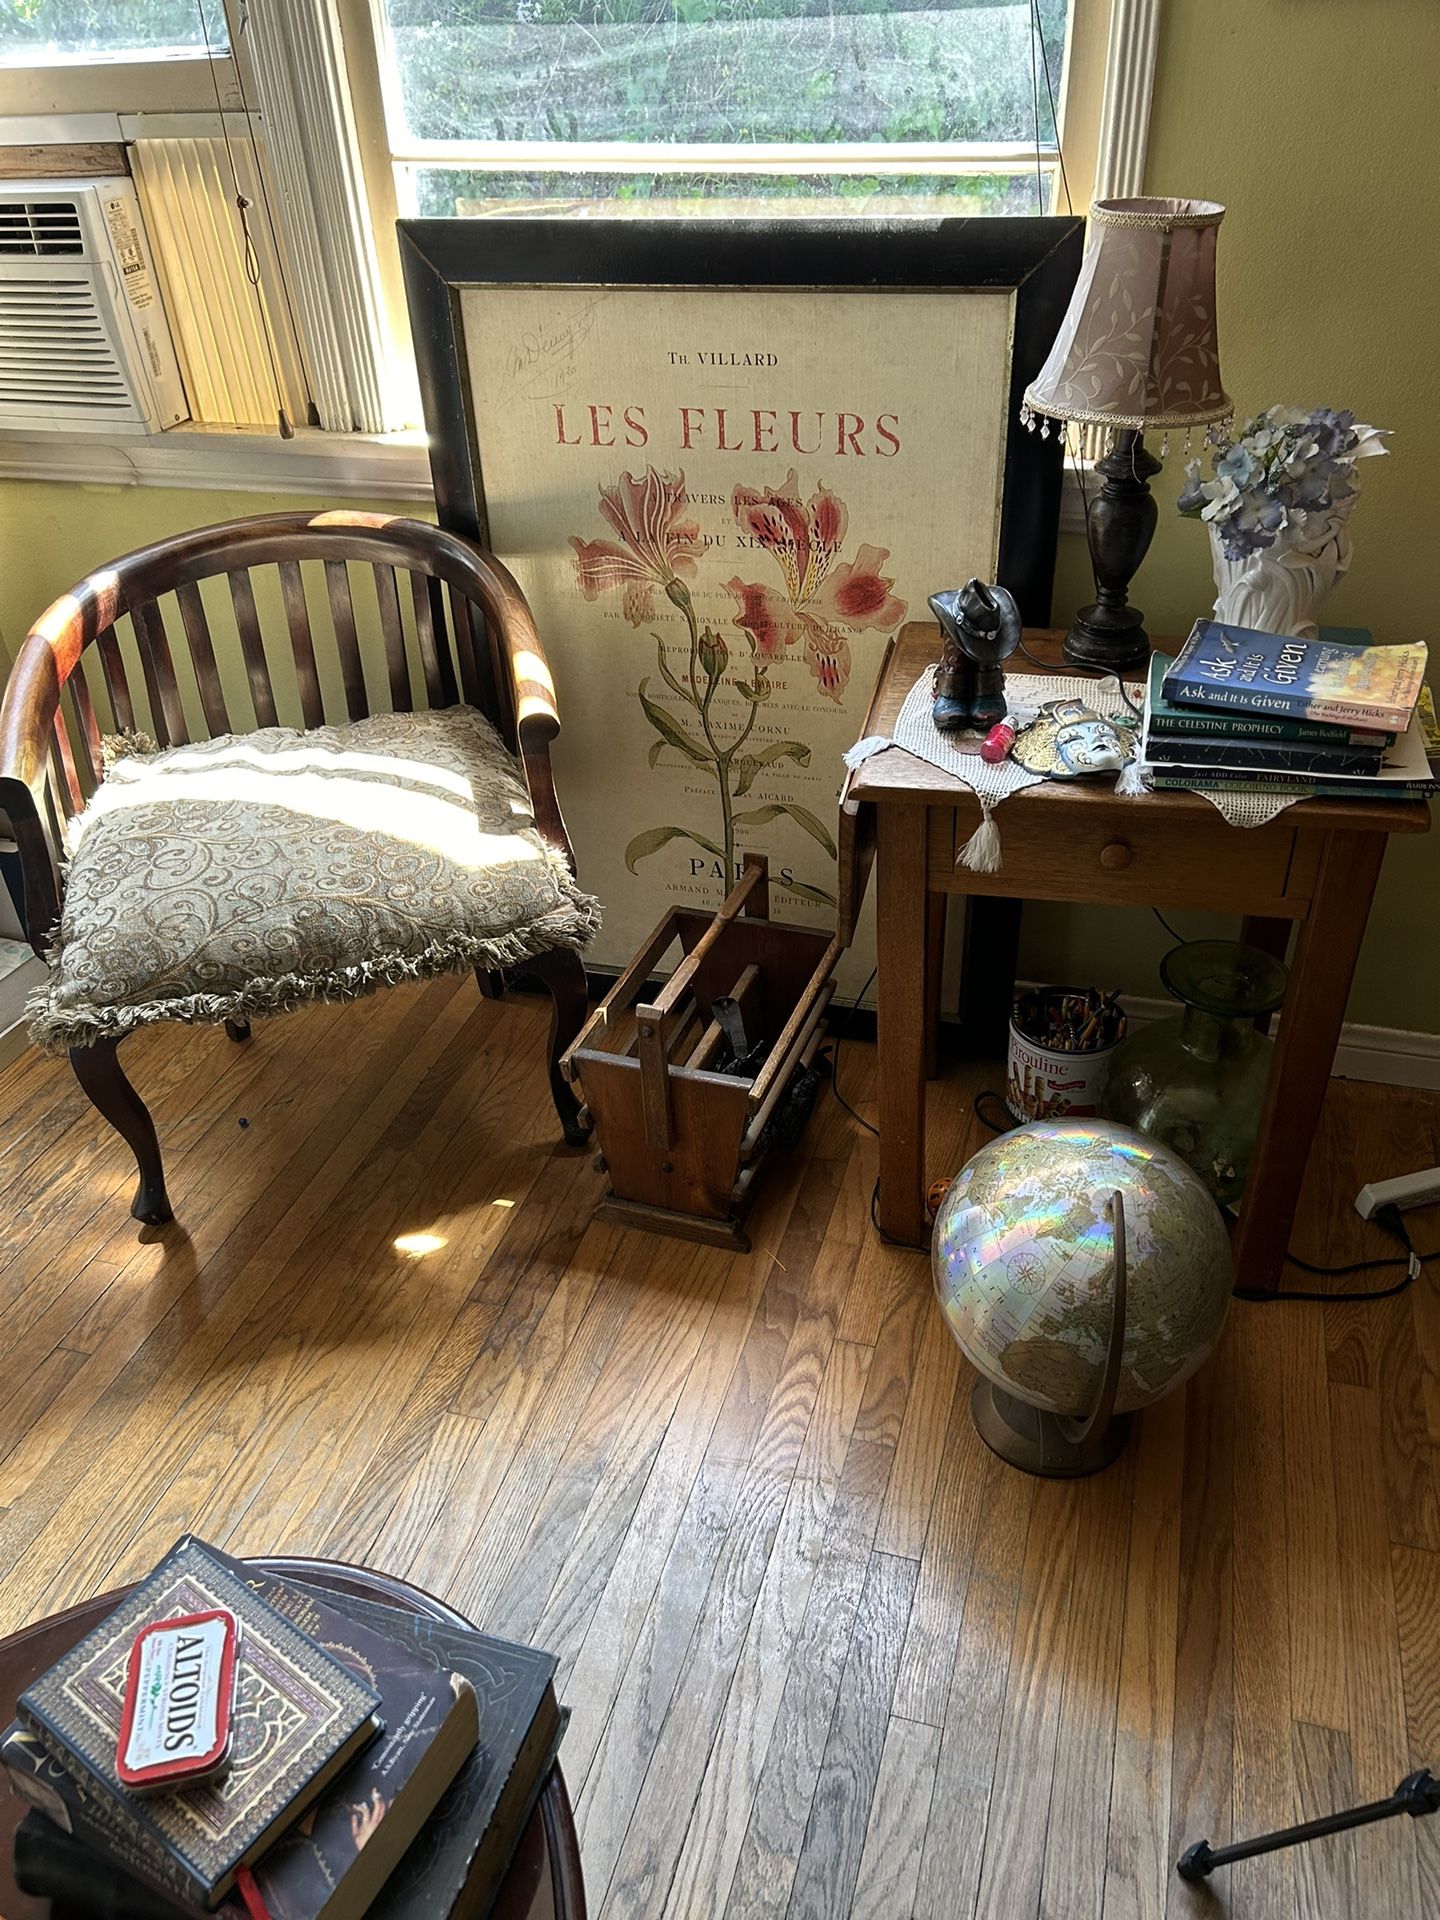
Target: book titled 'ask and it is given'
{"x": 1318, "y": 680}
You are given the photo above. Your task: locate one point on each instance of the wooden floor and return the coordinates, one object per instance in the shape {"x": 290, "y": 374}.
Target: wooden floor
{"x": 824, "y": 1654}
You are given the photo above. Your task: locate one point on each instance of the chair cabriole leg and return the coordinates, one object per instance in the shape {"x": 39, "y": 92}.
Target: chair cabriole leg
{"x": 562, "y": 972}
{"x": 98, "y": 1070}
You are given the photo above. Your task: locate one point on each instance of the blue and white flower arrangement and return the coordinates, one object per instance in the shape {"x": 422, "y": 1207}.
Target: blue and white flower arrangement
{"x": 1286, "y": 480}
{"x": 1278, "y": 509}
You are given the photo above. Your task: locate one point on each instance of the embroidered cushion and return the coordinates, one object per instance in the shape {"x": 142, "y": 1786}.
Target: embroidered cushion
{"x": 251, "y": 873}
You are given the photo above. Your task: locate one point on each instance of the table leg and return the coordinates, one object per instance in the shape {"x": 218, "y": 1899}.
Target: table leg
{"x": 1325, "y": 955}
{"x": 900, "y": 958}
{"x": 935, "y": 905}
{"x": 1272, "y": 937}
{"x": 987, "y": 975}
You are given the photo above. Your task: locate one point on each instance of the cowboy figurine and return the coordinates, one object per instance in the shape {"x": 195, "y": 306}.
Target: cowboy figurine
{"x": 981, "y": 626}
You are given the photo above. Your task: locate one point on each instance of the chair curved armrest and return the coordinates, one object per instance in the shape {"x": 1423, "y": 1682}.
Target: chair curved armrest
{"x": 531, "y": 691}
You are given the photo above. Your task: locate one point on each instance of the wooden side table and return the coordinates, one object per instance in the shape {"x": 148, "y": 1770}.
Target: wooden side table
{"x": 1314, "y": 866}
{"x": 543, "y": 1881}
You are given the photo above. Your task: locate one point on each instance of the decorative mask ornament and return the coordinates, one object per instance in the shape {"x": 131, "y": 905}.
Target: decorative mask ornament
{"x": 1067, "y": 740}
{"x": 981, "y": 626}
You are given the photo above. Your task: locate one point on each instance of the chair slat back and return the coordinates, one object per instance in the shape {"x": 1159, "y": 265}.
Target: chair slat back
{"x": 342, "y": 616}
{"x": 271, "y": 622}
{"x": 252, "y": 645}
{"x": 395, "y": 662}
{"x": 297, "y": 616}
{"x": 116, "y": 684}
{"x": 202, "y": 657}
{"x": 167, "y": 716}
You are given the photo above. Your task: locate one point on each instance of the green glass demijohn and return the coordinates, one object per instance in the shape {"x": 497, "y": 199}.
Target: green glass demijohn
{"x": 1196, "y": 1082}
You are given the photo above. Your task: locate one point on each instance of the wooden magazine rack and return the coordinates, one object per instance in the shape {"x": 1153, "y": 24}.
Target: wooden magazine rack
{"x": 681, "y": 1142}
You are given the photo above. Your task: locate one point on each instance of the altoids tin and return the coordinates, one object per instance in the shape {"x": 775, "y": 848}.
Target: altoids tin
{"x": 179, "y": 1699}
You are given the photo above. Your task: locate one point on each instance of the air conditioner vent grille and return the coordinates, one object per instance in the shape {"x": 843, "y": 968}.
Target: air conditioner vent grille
{"x": 36, "y": 227}
{"x": 56, "y": 356}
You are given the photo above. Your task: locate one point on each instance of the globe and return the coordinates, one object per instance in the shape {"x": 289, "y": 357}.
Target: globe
{"x": 1024, "y": 1265}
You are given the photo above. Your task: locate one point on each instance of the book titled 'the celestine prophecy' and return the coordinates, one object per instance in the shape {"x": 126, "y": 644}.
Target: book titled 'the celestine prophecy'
{"x": 1251, "y": 672}
{"x": 301, "y": 1716}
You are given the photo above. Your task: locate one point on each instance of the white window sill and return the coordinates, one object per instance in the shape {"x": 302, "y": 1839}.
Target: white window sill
{"x": 390, "y": 466}
{"x": 375, "y": 466}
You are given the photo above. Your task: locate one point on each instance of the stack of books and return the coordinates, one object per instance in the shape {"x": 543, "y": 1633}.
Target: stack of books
{"x": 1335, "y": 717}
{"x": 377, "y": 1762}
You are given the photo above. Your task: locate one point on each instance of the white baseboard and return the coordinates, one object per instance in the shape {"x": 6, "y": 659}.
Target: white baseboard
{"x": 1390, "y": 1056}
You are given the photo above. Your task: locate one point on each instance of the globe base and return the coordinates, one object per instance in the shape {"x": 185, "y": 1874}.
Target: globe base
{"x": 1043, "y": 1443}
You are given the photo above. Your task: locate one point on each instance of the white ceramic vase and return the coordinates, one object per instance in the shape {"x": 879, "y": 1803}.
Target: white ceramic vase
{"x": 1278, "y": 589}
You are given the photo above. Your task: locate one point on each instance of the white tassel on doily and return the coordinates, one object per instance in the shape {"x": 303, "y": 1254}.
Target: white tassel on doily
{"x": 981, "y": 852}
{"x": 862, "y": 750}
{"x": 1132, "y": 780}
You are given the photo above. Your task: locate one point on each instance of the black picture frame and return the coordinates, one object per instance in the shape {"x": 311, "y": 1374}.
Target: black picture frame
{"x": 1039, "y": 258}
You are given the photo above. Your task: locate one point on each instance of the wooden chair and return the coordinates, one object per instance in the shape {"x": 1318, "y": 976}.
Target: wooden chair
{"x": 469, "y": 637}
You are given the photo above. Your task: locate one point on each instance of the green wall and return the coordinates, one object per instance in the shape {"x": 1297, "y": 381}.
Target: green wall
{"x": 1312, "y": 122}
{"x": 1316, "y": 135}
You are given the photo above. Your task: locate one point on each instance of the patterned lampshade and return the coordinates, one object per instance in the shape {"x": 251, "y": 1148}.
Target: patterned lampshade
{"x": 1138, "y": 346}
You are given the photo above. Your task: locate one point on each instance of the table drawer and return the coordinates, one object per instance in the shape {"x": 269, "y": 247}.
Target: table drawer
{"x": 1051, "y": 852}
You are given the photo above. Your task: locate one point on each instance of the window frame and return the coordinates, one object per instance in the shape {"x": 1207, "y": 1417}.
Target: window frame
{"x": 342, "y": 122}
{"x": 407, "y": 153}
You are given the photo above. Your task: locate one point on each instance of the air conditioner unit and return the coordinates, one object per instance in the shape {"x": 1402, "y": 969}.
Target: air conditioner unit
{"x": 84, "y": 343}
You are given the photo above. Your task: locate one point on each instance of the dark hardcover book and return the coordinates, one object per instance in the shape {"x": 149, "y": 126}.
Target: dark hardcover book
{"x": 1307, "y": 785}
{"x": 469, "y": 1841}
{"x": 333, "y": 1861}
{"x": 1171, "y": 722}
{"x": 52, "y": 1864}
{"x": 83, "y": 1885}
{"x": 1240, "y": 668}
{"x": 300, "y": 1717}
{"x": 1263, "y": 756}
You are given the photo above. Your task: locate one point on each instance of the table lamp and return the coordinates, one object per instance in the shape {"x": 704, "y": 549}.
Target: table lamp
{"x": 1137, "y": 350}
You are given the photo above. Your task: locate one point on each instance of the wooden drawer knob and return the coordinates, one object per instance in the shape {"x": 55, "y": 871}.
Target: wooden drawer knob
{"x": 1115, "y": 857}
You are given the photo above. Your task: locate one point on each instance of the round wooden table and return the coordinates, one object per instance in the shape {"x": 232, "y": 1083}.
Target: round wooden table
{"x": 544, "y": 1881}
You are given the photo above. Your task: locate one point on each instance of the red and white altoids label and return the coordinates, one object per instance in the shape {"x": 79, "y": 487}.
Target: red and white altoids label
{"x": 179, "y": 1694}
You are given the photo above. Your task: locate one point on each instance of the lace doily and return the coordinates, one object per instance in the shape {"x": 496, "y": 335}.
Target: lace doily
{"x": 958, "y": 754}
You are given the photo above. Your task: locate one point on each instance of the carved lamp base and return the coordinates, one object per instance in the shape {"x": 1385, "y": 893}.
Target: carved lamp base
{"x": 1120, "y": 524}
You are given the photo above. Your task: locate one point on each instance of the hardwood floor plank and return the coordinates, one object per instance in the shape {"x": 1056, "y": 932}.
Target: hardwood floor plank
{"x": 919, "y": 1450}
{"x": 643, "y": 1836}
{"x": 1138, "y": 1860}
{"x": 1325, "y": 1874}
{"x": 706, "y": 1867}
{"x": 1014, "y": 1858}
{"x": 1072, "y": 1884}
{"x": 780, "y": 1806}
{"x": 1202, "y": 1757}
{"x": 1315, "y": 1610}
{"x": 1263, "y": 1784}
{"x": 969, "y": 1484}
{"x": 829, "y": 1862}
{"x": 899, "y": 1810}
{"x": 960, "y": 1803}
{"x": 1417, "y": 1614}
{"x": 1385, "y": 1856}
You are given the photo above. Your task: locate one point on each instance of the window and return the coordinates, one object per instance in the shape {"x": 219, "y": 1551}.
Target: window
{"x": 369, "y": 108}
{"x": 50, "y": 32}
{"x": 759, "y": 105}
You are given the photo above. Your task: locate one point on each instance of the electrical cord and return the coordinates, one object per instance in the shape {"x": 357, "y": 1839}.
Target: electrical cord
{"x": 1414, "y": 1262}
{"x": 1178, "y": 938}
{"x": 835, "y": 1070}
{"x": 1098, "y": 673}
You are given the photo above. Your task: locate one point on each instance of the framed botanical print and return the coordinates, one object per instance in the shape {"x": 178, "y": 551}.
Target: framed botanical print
{"x": 726, "y": 462}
